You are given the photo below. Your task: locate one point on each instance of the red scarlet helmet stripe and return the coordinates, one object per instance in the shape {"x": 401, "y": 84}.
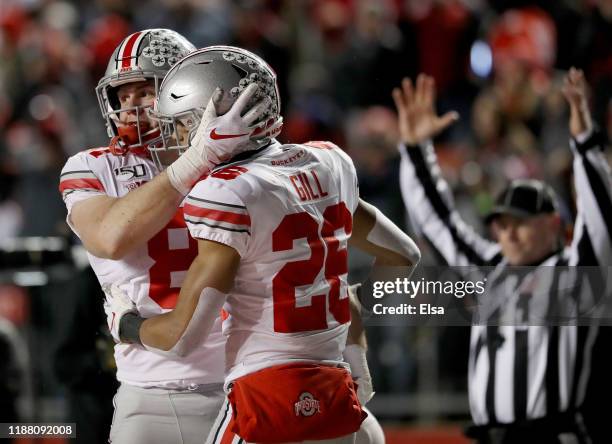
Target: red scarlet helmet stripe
{"x": 128, "y": 53}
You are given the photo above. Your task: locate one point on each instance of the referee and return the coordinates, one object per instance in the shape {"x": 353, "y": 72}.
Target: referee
{"x": 526, "y": 383}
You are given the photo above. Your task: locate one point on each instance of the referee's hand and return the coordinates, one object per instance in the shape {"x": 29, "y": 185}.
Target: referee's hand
{"x": 418, "y": 120}
{"x": 575, "y": 91}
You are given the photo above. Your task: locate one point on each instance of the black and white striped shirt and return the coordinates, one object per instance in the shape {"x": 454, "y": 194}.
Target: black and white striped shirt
{"x": 517, "y": 372}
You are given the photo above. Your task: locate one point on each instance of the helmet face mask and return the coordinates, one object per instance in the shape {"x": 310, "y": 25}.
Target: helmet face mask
{"x": 175, "y": 135}
{"x": 142, "y": 56}
{"x": 189, "y": 85}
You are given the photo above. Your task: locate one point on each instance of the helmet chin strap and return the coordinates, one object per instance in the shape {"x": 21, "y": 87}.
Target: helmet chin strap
{"x": 127, "y": 140}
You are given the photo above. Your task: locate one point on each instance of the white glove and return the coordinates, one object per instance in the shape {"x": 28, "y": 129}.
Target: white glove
{"x": 116, "y": 304}
{"x": 218, "y": 138}
{"x": 355, "y": 355}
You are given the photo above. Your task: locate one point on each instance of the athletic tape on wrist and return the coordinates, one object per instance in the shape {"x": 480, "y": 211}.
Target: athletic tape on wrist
{"x": 129, "y": 328}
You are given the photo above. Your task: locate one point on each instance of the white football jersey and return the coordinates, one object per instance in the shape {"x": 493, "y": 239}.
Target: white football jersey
{"x": 151, "y": 275}
{"x": 288, "y": 211}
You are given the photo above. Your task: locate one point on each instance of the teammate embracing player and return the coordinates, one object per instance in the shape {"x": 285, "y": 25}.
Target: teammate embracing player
{"x": 272, "y": 228}
{"x": 126, "y": 209}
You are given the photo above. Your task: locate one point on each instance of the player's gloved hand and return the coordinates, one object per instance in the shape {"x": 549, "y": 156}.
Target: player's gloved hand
{"x": 229, "y": 134}
{"x": 116, "y": 304}
{"x": 218, "y": 138}
{"x": 355, "y": 355}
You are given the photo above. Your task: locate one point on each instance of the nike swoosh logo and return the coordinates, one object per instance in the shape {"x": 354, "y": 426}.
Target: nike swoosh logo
{"x": 216, "y": 136}
{"x": 176, "y": 97}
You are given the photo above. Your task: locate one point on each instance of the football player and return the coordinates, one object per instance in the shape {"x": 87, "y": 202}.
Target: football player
{"x": 125, "y": 206}
{"x": 272, "y": 228}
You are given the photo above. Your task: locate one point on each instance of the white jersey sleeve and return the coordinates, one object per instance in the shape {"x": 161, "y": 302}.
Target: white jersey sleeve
{"x": 79, "y": 182}
{"x": 213, "y": 211}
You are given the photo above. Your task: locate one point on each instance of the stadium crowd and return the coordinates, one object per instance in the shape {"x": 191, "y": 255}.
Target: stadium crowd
{"x": 337, "y": 61}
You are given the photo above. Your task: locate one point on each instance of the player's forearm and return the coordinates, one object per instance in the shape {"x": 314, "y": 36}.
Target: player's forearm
{"x": 130, "y": 221}
{"x": 203, "y": 293}
{"x": 161, "y": 332}
{"x": 169, "y": 331}
{"x": 177, "y": 335}
{"x": 378, "y": 236}
{"x": 165, "y": 331}
{"x": 355, "y": 353}
{"x": 356, "y": 333}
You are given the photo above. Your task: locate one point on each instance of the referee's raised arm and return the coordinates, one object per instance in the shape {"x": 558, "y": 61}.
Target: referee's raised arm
{"x": 426, "y": 194}
{"x": 592, "y": 241}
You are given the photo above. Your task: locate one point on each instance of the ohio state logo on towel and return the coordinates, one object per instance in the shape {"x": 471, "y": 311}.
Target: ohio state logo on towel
{"x": 307, "y": 405}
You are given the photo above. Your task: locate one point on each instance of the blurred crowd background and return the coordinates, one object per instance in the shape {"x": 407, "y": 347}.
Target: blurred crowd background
{"x": 499, "y": 63}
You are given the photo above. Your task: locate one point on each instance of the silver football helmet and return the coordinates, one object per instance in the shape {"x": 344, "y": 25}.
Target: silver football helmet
{"x": 143, "y": 55}
{"x": 189, "y": 85}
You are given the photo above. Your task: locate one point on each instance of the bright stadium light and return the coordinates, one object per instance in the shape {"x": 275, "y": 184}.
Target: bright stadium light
{"x": 481, "y": 59}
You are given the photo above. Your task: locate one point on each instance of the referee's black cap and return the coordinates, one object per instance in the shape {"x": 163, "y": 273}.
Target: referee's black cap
{"x": 524, "y": 198}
